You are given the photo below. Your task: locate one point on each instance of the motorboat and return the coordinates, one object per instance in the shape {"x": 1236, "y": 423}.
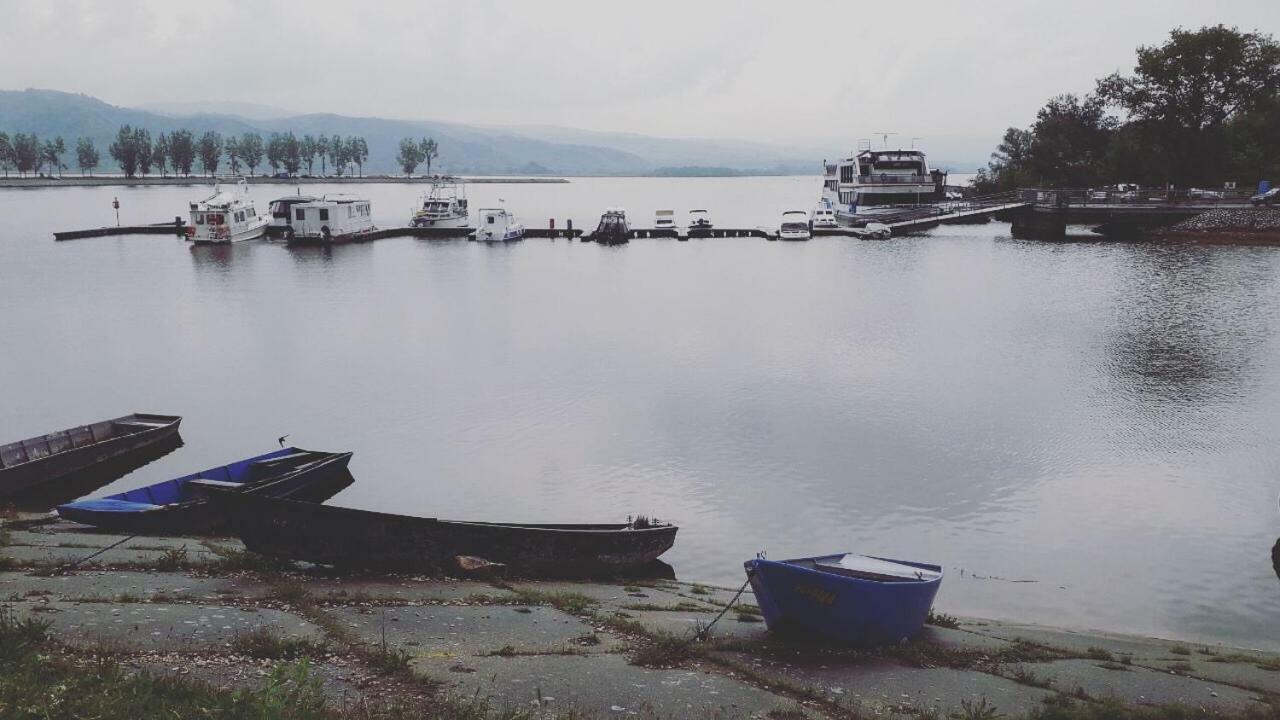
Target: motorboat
{"x": 497, "y": 225}
{"x": 613, "y": 228}
{"x": 699, "y": 220}
{"x": 823, "y": 217}
{"x": 794, "y": 225}
{"x": 845, "y": 598}
{"x": 281, "y": 210}
{"x": 226, "y": 216}
{"x": 330, "y": 219}
{"x": 444, "y": 207}
{"x": 664, "y": 220}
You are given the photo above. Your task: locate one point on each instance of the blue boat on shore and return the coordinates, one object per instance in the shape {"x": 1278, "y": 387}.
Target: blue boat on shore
{"x": 180, "y": 506}
{"x": 845, "y": 598}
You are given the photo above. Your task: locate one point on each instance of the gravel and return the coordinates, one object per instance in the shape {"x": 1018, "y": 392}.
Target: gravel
{"x": 1233, "y": 219}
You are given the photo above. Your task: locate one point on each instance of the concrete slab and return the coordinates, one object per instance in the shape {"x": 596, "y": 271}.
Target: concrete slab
{"x": 80, "y": 539}
{"x": 1082, "y": 641}
{"x": 343, "y": 680}
{"x": 687, "y": 624}
{"x": 110, "y": 584}
{"x": 401, "y": 590}
{"x": 602, "y": 686}
{"x": 163, "y": 627}
{"x": 41, "y": 555}
{"x": 616, "y": 596}
{"x": 1243, "y": 670}
{"x": 1139, "y": 685}
{"x": 887, "y": 687}
{"x": 449, "y": 630}
{"x": 963, "y": 640}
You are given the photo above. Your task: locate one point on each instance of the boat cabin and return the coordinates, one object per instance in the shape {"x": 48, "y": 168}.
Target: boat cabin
{"x": 882, "y": 177}
{"x": 332, "y": 218}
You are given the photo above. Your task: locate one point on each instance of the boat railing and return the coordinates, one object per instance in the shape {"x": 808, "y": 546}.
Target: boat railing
{"x": 1153, "y": 197}
{"x": 888, "y": 179}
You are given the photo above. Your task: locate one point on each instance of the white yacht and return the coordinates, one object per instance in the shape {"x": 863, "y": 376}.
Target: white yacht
{"x": 444, "y": 207}
{"x": 794, "y": 225}
{"x": 497, "y": 225}
{"x": 823, "y": 216}
{"x": 228, "y": 215}
{"x": 699, "y": 220}
{"x": 874, "y": 182}
{"x": 664, "y": 220}
{"x": 330, "y": 219}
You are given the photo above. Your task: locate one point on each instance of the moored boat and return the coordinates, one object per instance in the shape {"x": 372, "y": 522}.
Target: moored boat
{"x": 613, "y": 228}
{"x": 876, "y": 183}
{"x": 226, "y": 216}
{"x": 497, "y": 225}
{"x": 699, "y": 220}
{"x": 26, "y": 464}
{"x": 330, "y": 219}
{"x": 845, "y": 598}
{"x": 444, "y": 207}
{"x": 360, "y": 539}
{"x": 180, "y": 505}
{"x": 281, "y": 210}
{"x": 794, "y": 225}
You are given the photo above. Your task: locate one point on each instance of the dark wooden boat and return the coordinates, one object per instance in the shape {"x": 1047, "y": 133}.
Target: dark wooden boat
{"x": 181, "y": 506}
{"x": 361, "y": 539}
{"x": 26, "y": 464}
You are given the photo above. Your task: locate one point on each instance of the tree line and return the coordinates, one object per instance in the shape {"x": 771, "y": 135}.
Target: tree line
{"x": 139, "y": 154}
{"x": 1200, "y": 110}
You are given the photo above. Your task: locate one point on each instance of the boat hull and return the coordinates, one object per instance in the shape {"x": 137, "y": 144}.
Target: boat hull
{"x": 361, "y": 539}
{"x": 450, "y": 223}
{"x": 837, "y": 608}
{"x": 26, "y": 465}
{"x": 315, "y": 483}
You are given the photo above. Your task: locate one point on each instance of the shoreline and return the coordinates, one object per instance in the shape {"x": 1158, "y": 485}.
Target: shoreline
{"x": 47, "y": 182}
{"x": 204, "y": 611}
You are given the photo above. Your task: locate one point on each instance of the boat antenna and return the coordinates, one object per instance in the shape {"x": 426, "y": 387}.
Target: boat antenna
{"x": 913, "y": 142}
{"x": 884, "y": 137}
{"x": 281, "y": 440}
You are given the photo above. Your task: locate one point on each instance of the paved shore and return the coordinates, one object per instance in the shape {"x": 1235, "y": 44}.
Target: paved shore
{"x": 103, "y": 180}
{"x": 206, "y": 609}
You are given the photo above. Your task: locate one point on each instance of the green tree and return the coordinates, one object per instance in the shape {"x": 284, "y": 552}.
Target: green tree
{"x": 323, "y": 148}
{"x": 160, "y": 154}
{"x": 142, "y": 144}
{"x": 233, "y": 154}
{"x": 125, "y": 151}
{"x": 51, "y": 152}
{"x": 86, "y": 155}
{"x": 430, "y": 151}
{"x": 292, "y": 157}
{"x": 358, "y": 151}
{"x": 410, "y": 156}
{"x": 275, "y": 151}
{"x": 307, "y": 146}
{"x": 210, "y": 152}
{"x": 182, "y": 151}
{"x": 7, "y": 159}
{"x": 1184, "y": 91}
{"x": 251, "y": 150}
{"x": 339, "y": 154}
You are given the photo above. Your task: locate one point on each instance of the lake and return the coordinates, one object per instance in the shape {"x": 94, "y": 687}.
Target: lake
{"x": 1083, "y": 433}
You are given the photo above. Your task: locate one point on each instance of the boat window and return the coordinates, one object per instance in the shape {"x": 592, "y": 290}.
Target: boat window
{"x": 299, "y": 214}
{"x": 324, "y": 213}
{"x": 200, "y": 219}
{"x": 490, "y": 219}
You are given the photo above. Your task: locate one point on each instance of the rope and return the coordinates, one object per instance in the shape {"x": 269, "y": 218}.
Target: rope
{"x": 69, "y": 566}
{"x": 702, "y": 634}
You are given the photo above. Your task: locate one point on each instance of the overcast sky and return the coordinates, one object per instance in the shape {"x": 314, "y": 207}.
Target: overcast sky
{"x": 798, "y": 73}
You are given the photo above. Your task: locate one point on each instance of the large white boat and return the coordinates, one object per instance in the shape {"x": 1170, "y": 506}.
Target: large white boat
{"x": 281, "y": 210}
{"x": 497, "y": 225}
{"x": 330, "y": 219}
{"x": 874, "y": 183}
{"x": 228, "y": 215}
{"x": 445, "y": 207}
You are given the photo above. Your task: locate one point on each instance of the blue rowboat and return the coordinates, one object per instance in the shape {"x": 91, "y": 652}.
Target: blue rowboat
{"x": 181, "y": 505}
{"x": 845, "y": 598}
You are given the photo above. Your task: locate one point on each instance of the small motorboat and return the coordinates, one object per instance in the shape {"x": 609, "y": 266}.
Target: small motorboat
{"x": 181, "y": 505}
{"x": 27, "y": 464}
{"x": 665, "y": 220}
{"x": 794, "y": 225}
{"x": 362, "y": 539}
{"x": 613, "y": 228}
{"x": 846, "y": 598}
{"x": 497, "y": 225}
{"x": 699, "y": 221}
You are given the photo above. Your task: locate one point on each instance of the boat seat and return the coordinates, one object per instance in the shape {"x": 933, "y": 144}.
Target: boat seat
{"x": 285, "y": 459}
{"x": 222, "y": 484}
{"x": 112, "y": 505}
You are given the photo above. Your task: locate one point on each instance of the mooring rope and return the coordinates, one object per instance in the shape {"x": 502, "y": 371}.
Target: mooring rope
{"x": 702, "y": 634}
{"x": 69, "y": 566}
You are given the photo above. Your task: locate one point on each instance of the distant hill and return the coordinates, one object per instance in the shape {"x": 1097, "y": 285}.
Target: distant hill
{"x": 463, "y": 148}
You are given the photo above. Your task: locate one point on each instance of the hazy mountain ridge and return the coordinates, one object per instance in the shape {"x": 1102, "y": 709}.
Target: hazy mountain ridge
{"x": 463, "y": 148}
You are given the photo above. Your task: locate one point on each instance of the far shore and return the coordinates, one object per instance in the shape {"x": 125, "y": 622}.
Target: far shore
{"x": 102, "y": 180}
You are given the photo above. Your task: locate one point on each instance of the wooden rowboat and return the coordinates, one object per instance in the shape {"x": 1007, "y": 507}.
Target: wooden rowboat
{"x": 26, "y": 464}
{"x": 361, "y": 539}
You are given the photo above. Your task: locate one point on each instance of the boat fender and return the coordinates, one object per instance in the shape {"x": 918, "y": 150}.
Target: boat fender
{"x": 324, "y": 231}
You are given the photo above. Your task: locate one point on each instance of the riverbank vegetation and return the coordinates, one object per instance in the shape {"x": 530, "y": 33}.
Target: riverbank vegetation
{"x": 1201, "y": 110}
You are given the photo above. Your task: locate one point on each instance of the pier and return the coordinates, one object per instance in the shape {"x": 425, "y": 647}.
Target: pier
{"x": 174, "y": 227}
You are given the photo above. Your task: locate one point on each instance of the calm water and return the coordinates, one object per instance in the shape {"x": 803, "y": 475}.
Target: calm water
{"x": 1084, "y": 434}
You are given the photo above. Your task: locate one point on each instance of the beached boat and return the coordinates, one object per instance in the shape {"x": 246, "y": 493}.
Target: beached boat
{"x": 845, "y": 598}
{"x": 613, "y": 228}
{"x": 330, "y": 219}
{"x": 228, "y": 215}
{"x": 26, "y": 464}
{"x": 444, "y": 207}
{"x": 361, "y": 539}
{"x": 497, "y": 225}
{"x": 180, "y": 505}
{"x": 794, "y": 225}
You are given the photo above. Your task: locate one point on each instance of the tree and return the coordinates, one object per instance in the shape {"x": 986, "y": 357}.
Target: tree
{"x": 251, "y": 150}
{"x": 292, "y": 157}
{"x": 125, "y": 151}
{"x": 410, "y": 156}
{"x": 233, "y": 154}
{"x": 358, "y": 151}
{"x": 1183, "y": 92}
{"x": 430, "y": 151}
{"x": 160, "y": 153}
{"x": 308, "y": 148}
{"x": 210, "y": 151}
{"x": 6, "y": 154}
{"x": 51, "y": 152}
{"x": 275, "y": 151}
{"x": 142, "y": 145}
{"x": 323, "y": 148}
{"x": 86, "y": 155}
{"x": 338, "y": 154}
{"x": 182, "y": 151}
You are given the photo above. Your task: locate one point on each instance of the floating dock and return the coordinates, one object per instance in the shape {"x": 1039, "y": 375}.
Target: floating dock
{"x": 173, "y": 227}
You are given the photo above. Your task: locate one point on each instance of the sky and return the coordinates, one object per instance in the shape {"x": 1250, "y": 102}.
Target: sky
{"x": 802, "y": 74}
